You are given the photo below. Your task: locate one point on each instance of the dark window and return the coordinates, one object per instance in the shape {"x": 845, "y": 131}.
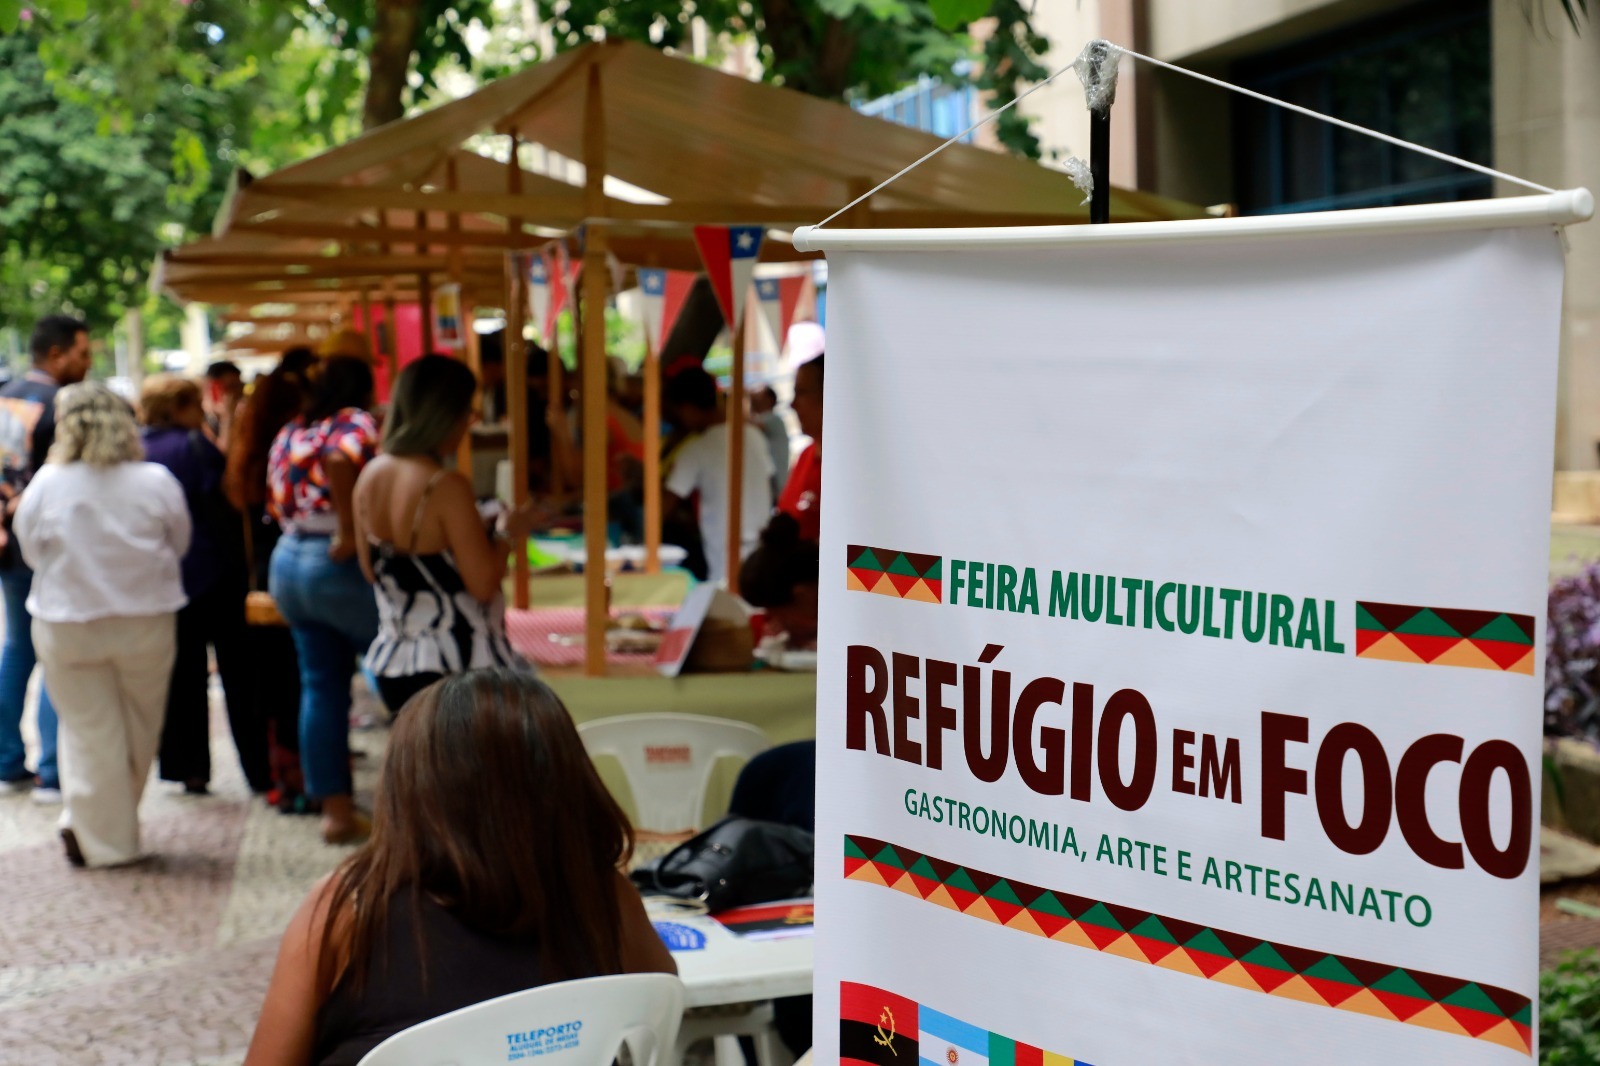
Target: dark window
{"x": 1422, "y": 75}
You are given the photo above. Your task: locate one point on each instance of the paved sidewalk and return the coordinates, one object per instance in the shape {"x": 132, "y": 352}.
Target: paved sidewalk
{"x": 166, "y": 962}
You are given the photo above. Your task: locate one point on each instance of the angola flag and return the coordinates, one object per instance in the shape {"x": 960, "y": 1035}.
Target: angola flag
{"x": 884, "y": 1029}
{"x": 876, "y": 1027}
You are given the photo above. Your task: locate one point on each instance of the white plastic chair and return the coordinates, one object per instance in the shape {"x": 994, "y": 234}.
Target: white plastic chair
{"x": 668, "y": 760}
{"x": 724, "y": 1028}
{"x": 573, "y": 1023}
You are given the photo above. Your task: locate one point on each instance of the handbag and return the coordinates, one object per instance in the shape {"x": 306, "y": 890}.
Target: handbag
{"x": 735, "y": 862}
{"x": 260, "y": 609}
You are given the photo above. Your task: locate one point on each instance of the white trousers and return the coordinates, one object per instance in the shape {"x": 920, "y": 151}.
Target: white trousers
{"x": 108, "y": 680}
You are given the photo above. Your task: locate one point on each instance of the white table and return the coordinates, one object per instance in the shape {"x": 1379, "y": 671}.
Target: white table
{"x": 735, "y": 969}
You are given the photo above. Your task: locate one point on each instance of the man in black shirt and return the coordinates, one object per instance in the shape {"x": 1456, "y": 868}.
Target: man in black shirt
{"x": 60, "y": 349}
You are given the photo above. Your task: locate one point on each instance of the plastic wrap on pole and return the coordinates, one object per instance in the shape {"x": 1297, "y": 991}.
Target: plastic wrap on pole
{"x": 1096, "y": 67}
{"x": 1081, "y": 176}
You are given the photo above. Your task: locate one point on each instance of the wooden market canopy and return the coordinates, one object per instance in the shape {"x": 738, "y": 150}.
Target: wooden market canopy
{"x": 663, "y": 144}
{"x": 707, "y": 146}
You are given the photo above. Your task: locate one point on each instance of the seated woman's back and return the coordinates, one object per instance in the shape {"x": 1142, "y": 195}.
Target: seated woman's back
{"x": 494, "y": 866}
{"x": 404, "y": 984}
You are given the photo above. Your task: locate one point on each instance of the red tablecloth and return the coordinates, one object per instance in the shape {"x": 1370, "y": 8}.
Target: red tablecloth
{"x": 530, "y": 633}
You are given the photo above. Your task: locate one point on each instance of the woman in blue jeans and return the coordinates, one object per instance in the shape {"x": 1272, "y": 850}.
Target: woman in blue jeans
{"x": 16, "y": 665}
{"x": 311, "y": 476}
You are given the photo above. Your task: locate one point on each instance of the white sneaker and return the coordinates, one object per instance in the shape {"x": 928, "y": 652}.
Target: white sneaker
{"x": 47, "y": 797}
{"x": 17, "y": 787}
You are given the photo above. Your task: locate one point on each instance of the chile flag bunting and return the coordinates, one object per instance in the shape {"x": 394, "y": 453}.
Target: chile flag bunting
{"x": 729, "y": 253}
{"x": 778, "y": 299}
{"x": 664, "y": 293}
{"x": 538, "y": 290}
{"x": 560, "y": 272}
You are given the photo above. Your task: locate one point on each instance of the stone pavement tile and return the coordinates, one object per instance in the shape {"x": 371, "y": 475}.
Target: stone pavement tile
{"x": 166, "y": 962}
{"x": 56, "y": 915}
{"x": 279, "y": 859}
{"x": 197, "y": 1008}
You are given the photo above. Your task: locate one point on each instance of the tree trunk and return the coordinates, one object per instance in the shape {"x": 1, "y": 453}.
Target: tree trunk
{"x": 814, "y": 59}
{"x": 394, "y": 38}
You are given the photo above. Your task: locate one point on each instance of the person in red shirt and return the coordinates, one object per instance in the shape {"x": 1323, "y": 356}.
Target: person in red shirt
{"x": 801, "y": 498}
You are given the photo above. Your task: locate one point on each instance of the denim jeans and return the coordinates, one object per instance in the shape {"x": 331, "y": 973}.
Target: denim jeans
{"x": 16, "y": 665}
{"x": 333, "y": 617}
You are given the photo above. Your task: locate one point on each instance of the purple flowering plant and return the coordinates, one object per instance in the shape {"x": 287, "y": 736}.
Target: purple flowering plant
{"x": 1572, "y": 657}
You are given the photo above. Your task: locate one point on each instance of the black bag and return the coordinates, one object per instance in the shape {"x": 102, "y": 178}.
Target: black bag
{"x": 735, "y": 862}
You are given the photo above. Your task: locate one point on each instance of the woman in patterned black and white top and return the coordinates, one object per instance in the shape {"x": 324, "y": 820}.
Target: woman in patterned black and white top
{"x": 435, "y": 567}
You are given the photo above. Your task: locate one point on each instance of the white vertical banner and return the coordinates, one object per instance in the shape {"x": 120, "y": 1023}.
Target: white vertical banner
{"x": 1182, "y": 648}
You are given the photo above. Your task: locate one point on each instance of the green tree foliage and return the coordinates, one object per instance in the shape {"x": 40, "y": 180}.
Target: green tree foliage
{"x": 384, "y": 53}
{"x": 843, "y": 49}
{"x": 85, "y": 206}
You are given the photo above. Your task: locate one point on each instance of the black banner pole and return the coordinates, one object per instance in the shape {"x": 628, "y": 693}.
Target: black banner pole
{"x": 1100, "y": 165}
{"x": 1100, "y": 85}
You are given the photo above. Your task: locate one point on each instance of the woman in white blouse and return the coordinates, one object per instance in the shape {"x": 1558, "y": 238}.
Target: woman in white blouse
{"x": 104, "y": 532}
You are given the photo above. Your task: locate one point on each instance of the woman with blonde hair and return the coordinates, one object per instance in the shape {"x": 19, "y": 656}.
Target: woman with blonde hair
{"x": 104, "y": 532}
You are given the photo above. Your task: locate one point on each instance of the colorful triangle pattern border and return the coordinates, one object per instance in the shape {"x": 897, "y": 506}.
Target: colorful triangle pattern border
{"x": 887, "y": 572}
{"x": 1445, "y": 636}
{"x": 1414, "y": 997}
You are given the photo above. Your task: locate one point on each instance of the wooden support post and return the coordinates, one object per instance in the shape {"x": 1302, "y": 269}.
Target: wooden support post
{"x": 652, "y": 454}
{"x": 366, "y": 323}
{"x": 555, "y": 413}
{"x": 390, "y": 351}
{"x": 424, "y": 286}
{"x": 514, "y": 351}
{"x": 735, "y": 424}
{"x": 391, "y": 314}
{"x": 596, "y": 280}
{"x": 469, "y": 336}
{"x": 517, "y": 415}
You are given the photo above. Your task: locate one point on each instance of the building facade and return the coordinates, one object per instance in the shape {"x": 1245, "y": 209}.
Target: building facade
{"x": 1507, "y": 83}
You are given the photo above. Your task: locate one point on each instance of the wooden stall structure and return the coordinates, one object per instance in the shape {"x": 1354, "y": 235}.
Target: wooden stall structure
{"x": 664, "y": 144}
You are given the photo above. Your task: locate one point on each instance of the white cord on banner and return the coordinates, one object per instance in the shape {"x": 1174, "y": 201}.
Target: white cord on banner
{"x": 1342, "y": 124}
{"x": 1119, "y": 50}
{"x": 984, "y": 121}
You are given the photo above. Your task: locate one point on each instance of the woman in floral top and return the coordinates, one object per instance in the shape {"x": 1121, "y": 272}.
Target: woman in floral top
{"x": 311, "y": 474}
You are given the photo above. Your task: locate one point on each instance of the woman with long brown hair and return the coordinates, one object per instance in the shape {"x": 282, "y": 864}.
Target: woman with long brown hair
{"x": 273, "y": 402}
{"x": 494, "y": 866}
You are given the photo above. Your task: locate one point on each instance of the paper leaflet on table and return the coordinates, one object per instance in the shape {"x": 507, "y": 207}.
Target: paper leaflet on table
{"x": 703, "y": 602}
{"x": 777, "y": 920}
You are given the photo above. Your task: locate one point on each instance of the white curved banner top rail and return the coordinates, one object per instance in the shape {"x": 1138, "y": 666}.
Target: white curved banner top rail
{"x": 1182, "y": 626}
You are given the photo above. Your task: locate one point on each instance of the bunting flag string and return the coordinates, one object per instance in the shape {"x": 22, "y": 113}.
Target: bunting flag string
{"x": 778, "y": 299}
{"x": 558, "y": 271}
{"x": 664, "y": 293}
{"x": 729, "y": 254}
{"x": 539, "y": 293}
